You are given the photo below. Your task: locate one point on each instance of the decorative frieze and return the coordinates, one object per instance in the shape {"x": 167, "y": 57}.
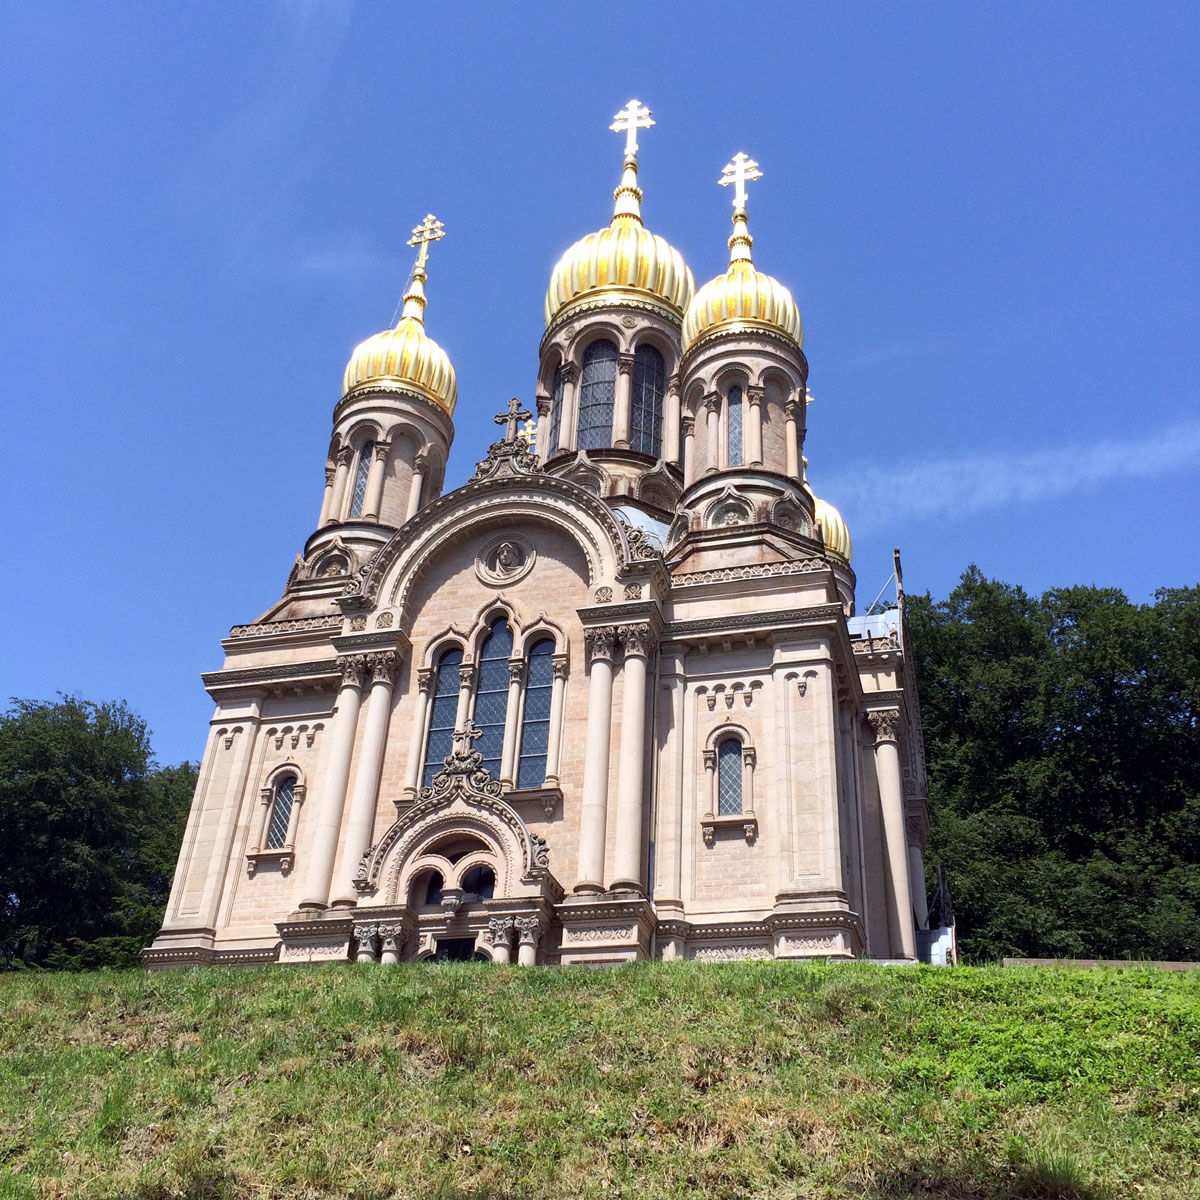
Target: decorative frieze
{"x": 731, "y": 954}
{"x": 296, "y": 625}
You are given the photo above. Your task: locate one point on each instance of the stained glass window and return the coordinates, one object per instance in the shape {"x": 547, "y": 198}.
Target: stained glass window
{"x": 597, "y": 394}
{"x": 729, "y": 778}
{"x": 441, "y": 719}
{"x": 360, "y": 479}
{"x": 491, "y": 695}
{"x": 556, "y": 412}
{"x": 734, "y": 426}
{"x": 281, "y": 812}
{"x": 535, "y": 729}
{"x": 646, "y": 413}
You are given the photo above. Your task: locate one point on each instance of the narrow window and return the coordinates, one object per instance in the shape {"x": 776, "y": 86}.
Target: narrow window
{"x": 491, "y": 697}
{"x": 597, "y": 394}
{"x": 441, "y": 718}
{"x": 733, "y": 426}
{"x": 481, "y": 882}
{"x": 535, "y": 729}
{"x": 556, "y": 413}
{"x": 360, "y": 479}
{"x": 646, "y": 413}
{"x": 729, "y": 778}
{"x": 433, "y": 888}
{"x": 281, "y": 812}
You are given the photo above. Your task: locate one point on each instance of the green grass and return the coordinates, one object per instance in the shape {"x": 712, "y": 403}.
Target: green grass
{"x": 471, "y": 1082}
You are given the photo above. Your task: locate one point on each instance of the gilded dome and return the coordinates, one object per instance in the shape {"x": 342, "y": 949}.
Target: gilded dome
{"x": 833, "y": 529}
{"x": 743, "y": 299}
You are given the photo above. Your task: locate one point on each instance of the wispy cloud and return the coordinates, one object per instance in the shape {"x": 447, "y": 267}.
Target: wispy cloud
{"x": 344, "y": 261}
{"x": 979, "y": 483}
{"x": 954, "y": 344}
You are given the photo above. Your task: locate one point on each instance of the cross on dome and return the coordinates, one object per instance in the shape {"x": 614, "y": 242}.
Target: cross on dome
{"x": 634, "y": 116}
{"x": 510, "y": 419}
{"x": 429, "y": 230}
{"x": 742, "y": 170}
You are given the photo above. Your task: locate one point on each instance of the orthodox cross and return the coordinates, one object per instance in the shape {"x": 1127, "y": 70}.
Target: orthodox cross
{"x": 463, "y": 739}
{"x": 629, "y": 120}
{"x": 509, "y": 419}
{"x": 429, "y": 230}
{"x": 741, "y": 171}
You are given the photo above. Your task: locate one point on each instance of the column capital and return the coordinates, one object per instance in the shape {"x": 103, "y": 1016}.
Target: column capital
{"x": 883, "y": 723}
{"x": 710, "y": 760}
{"x": 392, "y": 934}
{"x": 689, "y": 425}
{"x": 528, "y": 929}
{"x": 559, "y": 664}
{"x": 421, "y": 460}
{"x": 425, "y": 679}
{"x": 382, "y": 450}
{"x": 330, "y": 472}
{"x": 353, "y": 667}
{"x": 383, "y": 666}
{"x": 791, "y": 410}
{"x": 466, "y": 675}
{"x": 601, "y": 642}
{"x": 712, "y": 402}
{"x": 570, "y": 372}
{"x": 543, "y": 406}
{"x": 749, "y": 756}
{"x": 625, "y": 363}
{"x": 345, "y": 456}
{"x": 516, "y": 670}
{"x": 500, "y": 931}
{"x": 755, "y": 395}
{"x": 637, "y": 640}
{"x": 673, "y": 383}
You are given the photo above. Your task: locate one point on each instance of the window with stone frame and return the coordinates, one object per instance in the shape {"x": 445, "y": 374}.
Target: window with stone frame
{"x": 733, "y": 427}
{"x": 729, "y": 777}
{"x": 443, "y": 713}
{"x": 535, "y": 724}
{"x": 360, "y": 478}
{"x": 556, "y": 412}
{"x": 281, "y": 812}
{"x": 646, "y": 412}
{"x": 597, "y": 396}
{"x": 491, "y": 695}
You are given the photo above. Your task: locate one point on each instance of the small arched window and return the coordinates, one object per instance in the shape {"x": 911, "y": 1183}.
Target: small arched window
{"x": 729, "y": 778}
{"x": 597, "y": 394}
{"x": 481, "y": 882}
{"x": 281, "y": 812}
{"x": 360, "y": 478}
{"x": 491, "y": 696}
{"x": 535, "y": 728}
{"x": 556, "y": 412}
{"x": 733, "y": 426}
{"x": 442, "y": 714}
{"x": 646, "y": 414}
{"x": 433, "y": 888}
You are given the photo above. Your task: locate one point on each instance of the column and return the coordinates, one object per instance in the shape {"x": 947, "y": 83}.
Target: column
{"x": 566, "y": 426}
{"x": 891, "y": 798}
{"x": 378, "y": 469}
{"x": 631, "y": 769}
{"x": 364, "y": 801}
{"x": 466, "y": 687}
{"x": 392, "y": 937}
{"x": 712, "y": 406}
{"x": 624, "y": 401}
{"x": 790, "y": 411}
{"x": 554, "y": 747}
{"x": 671, "y": 421}
{"x": 416, "y": 740}
{"x": 501, "y": 931}
{"x": 366, "y": 943}
{"x": 543, "y": 428}
{"x": 322, "y": 845}
{"x": 341, "y": 473}
{"x": 754, "y": 453}
{"x": 327, "y": 498}
{"x": 853, "y": 840}
{"x": 667, "y": 871}
{"x": 508, "y": 753}
{"x": 593, "y": 815}
{"x": 528, "y": 931}
{"x": 916, "y": 873}
{"x": 689, "y": 450}
{"x": 417, "y": 485}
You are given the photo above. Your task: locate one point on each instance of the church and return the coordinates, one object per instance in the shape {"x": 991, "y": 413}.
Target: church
{"x": 608, "y": 700}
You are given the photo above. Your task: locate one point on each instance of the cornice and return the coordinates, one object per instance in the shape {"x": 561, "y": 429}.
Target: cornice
{"x": 325, "y": 668}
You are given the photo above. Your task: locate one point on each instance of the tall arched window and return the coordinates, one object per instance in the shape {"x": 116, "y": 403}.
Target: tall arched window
{"x": 443, "y": 712}
{"x": 281, "y": 812}
{"x": 597, "y": 394}
{"x": 729, "y": 778}
{"x": 556, "y": 413}
{"x": 491, "y": 695}
{"x": 535, "y": 728}
{"x": 360, "y": 478}
{"x": 646, "y": 414}
{"x": 733, "y": 427}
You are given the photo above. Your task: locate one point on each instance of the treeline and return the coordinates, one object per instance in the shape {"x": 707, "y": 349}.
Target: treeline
{"x": 1062, "y": 736}
{"x": 90, "y": 828}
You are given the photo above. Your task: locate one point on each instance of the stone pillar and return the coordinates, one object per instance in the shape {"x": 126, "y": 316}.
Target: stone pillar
{"x": 327, "y": 498}
{"x": 364, "y": 801}
{"x": 631, "y": 769}
{"x": 466, "y": 688}
{"x": 501, "y": 931}
{"x": 374, "y": 493}
{"x": 554, "y": 746}
{"x": 754, "y": 453}
{"x": 322, "y": 847}
{"x": 791, "y": 411}
{"x": 891, "y": 798}
{"x": 508, "y": 754}
{"x": 366, "y": 943}
{"x": 392, "y": 937}
{"x": 417, "y": 485}
{"x": 671, "y": 421}
{"x": 668, "y": 862}
{"x": 416, "y": 741}
{"x": 624, "y": 401}
{"x": 916, "y": 873}
{"x": 528, "y": 931}
{"x": 593, "y": 815}
{"x": 853, "y": 840}
{"x": 543, "y": 428}
{"x": 712, "y": 406}
{"x": 345, "y": 456}
{"x": 566, "y": 426}
{"x": 689, "y": 450}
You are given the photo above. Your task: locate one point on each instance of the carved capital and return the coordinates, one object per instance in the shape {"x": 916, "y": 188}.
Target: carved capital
{"x": 382, "y": 450}
{"x": 425, "y": 679}
{"x": 345, "y": 456}
{"x": 383, "y": 666}
{"x": 601, "y": 642}
{"x": 710, "y": 760}
{"x": 712, "y": 402}
{"x": 749, "y": 756}
{"x": 500, "y": 931}
{"x": 570, "y": 372}
{"x": 559, "y": 663}
{"x": 791, "y": 410}
{"x": 625, "y": 363}
{"x": 755, "y": 395}
{"x": 330, "y": 472}
{"x": 543, "y": 406}
{"x": 466, "y": 676}
{"x": 673, "y": 385}
{"x": 914, "y": 830}
{"x": 516, "y": 670}
{"x": 421, "y": 461}
{"x": 689, "y": 426}
{"x": 638, "y": 640}
{"x": 266, "y": 795}
{"x": 392, "y": 935}
{"x": 884, "y": 722}
{"x": 353, "y": 667}
{"x": 528, "y": 929}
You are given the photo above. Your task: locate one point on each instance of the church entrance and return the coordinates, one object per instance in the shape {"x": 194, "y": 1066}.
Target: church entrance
{"x": 457, "y": 950}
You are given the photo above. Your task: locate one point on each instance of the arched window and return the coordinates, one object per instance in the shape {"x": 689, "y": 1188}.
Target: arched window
{"x": 597, "y": 394}
{"x": 491, "y": 696}
{"x": 442, "y": 714}
{"x": 480, "y": 881}
{"x": 433, "y": 888}
{"x": 729, "y": 778}
{"x": 360, "y": 478}
{"x": 556, "y": 412}
{"x": 646, "y": 414}
{"x": 281, "y": 812}
{"x": 733, "y": 427}
{"x": 535, "y": 729}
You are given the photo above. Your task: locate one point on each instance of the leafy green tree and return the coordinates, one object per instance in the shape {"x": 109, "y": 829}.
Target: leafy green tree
{"x": 1063, "y": 743}
{"x": 90, "y": 830}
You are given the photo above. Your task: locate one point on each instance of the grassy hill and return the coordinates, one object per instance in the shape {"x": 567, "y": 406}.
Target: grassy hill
{"x": 471, "y": 1082}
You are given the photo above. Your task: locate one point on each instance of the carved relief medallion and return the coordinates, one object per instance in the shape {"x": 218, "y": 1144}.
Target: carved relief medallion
{"x": 505, "y": 559}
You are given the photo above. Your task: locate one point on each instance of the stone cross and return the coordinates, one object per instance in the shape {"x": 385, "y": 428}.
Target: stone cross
{"x": 739, "y": 172}
{"x": 629, "y": 120}
{"x": 509, "y": 419}
{"x": 429, "y": 230}
{"x": 463, "y": 739}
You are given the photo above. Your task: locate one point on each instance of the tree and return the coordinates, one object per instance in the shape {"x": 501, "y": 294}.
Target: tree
{"x": 1063, "y": 745}
{"x": 90, "y": 830}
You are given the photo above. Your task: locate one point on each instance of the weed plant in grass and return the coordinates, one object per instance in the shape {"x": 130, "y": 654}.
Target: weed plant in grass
{"x": 465, "y": 1082}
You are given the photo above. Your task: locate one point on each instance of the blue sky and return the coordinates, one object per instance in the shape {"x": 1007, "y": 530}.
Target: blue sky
{"x": 987, "y": 214}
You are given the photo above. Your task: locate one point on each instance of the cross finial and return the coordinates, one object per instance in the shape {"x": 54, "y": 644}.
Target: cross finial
{"x": 463, "y": 738}
{"x": 634, "y": 116}
{"x": 510, "y": 419}
{"x": 739, "y": 172}
{"x": 429, "y": 230}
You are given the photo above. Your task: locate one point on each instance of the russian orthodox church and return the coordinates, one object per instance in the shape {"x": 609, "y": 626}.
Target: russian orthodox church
{"x": 608, "y": 700}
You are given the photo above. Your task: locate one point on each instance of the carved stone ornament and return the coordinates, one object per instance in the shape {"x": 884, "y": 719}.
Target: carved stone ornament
{"x": 425, "y": 679}
{"x": 505, "y": 559}
{"x": 516, "y": 671}
{"x": 884, "y": 722}
{"x": 528, "y": 929}
{"x": 511, "y": 453}
{"x": 642, "y": 545}
{"x": 637, "y": 639}
{"x": 383, "y": 666}
{"x": 629, "y": 322}
{"x": 633, "y": 591}
{"x": 604, "y": 595}
{"x": 601, "y": 642}
{"x": 500, "y": 931}
{"x": 358, "y": 623}
{"x": 385, "y": 620}
{"x": 353, "y": 667}
{"x": 729, "y": 510}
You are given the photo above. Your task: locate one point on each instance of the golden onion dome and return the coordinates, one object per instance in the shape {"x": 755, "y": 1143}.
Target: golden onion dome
{"x": 622, "y": 264}
{"x": 834, "y": 530}
{"x": 406, "y": 358}
{"x": 743, "y": 299}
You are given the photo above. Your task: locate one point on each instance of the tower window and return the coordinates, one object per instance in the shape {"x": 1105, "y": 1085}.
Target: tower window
{"x": 733, "y": 426}
{"x": 281, "y": 812}
{"x": 556, "y": 412}
{"x": 491, "y": 698}
{"x": 535, "y": 729}
{"x": 443, "y": 713}
{"x": 647, "y": 409}
{"x": 360, "y": 478}
{"x": 597, "y": 395}
{"x": 729, "y": 778}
